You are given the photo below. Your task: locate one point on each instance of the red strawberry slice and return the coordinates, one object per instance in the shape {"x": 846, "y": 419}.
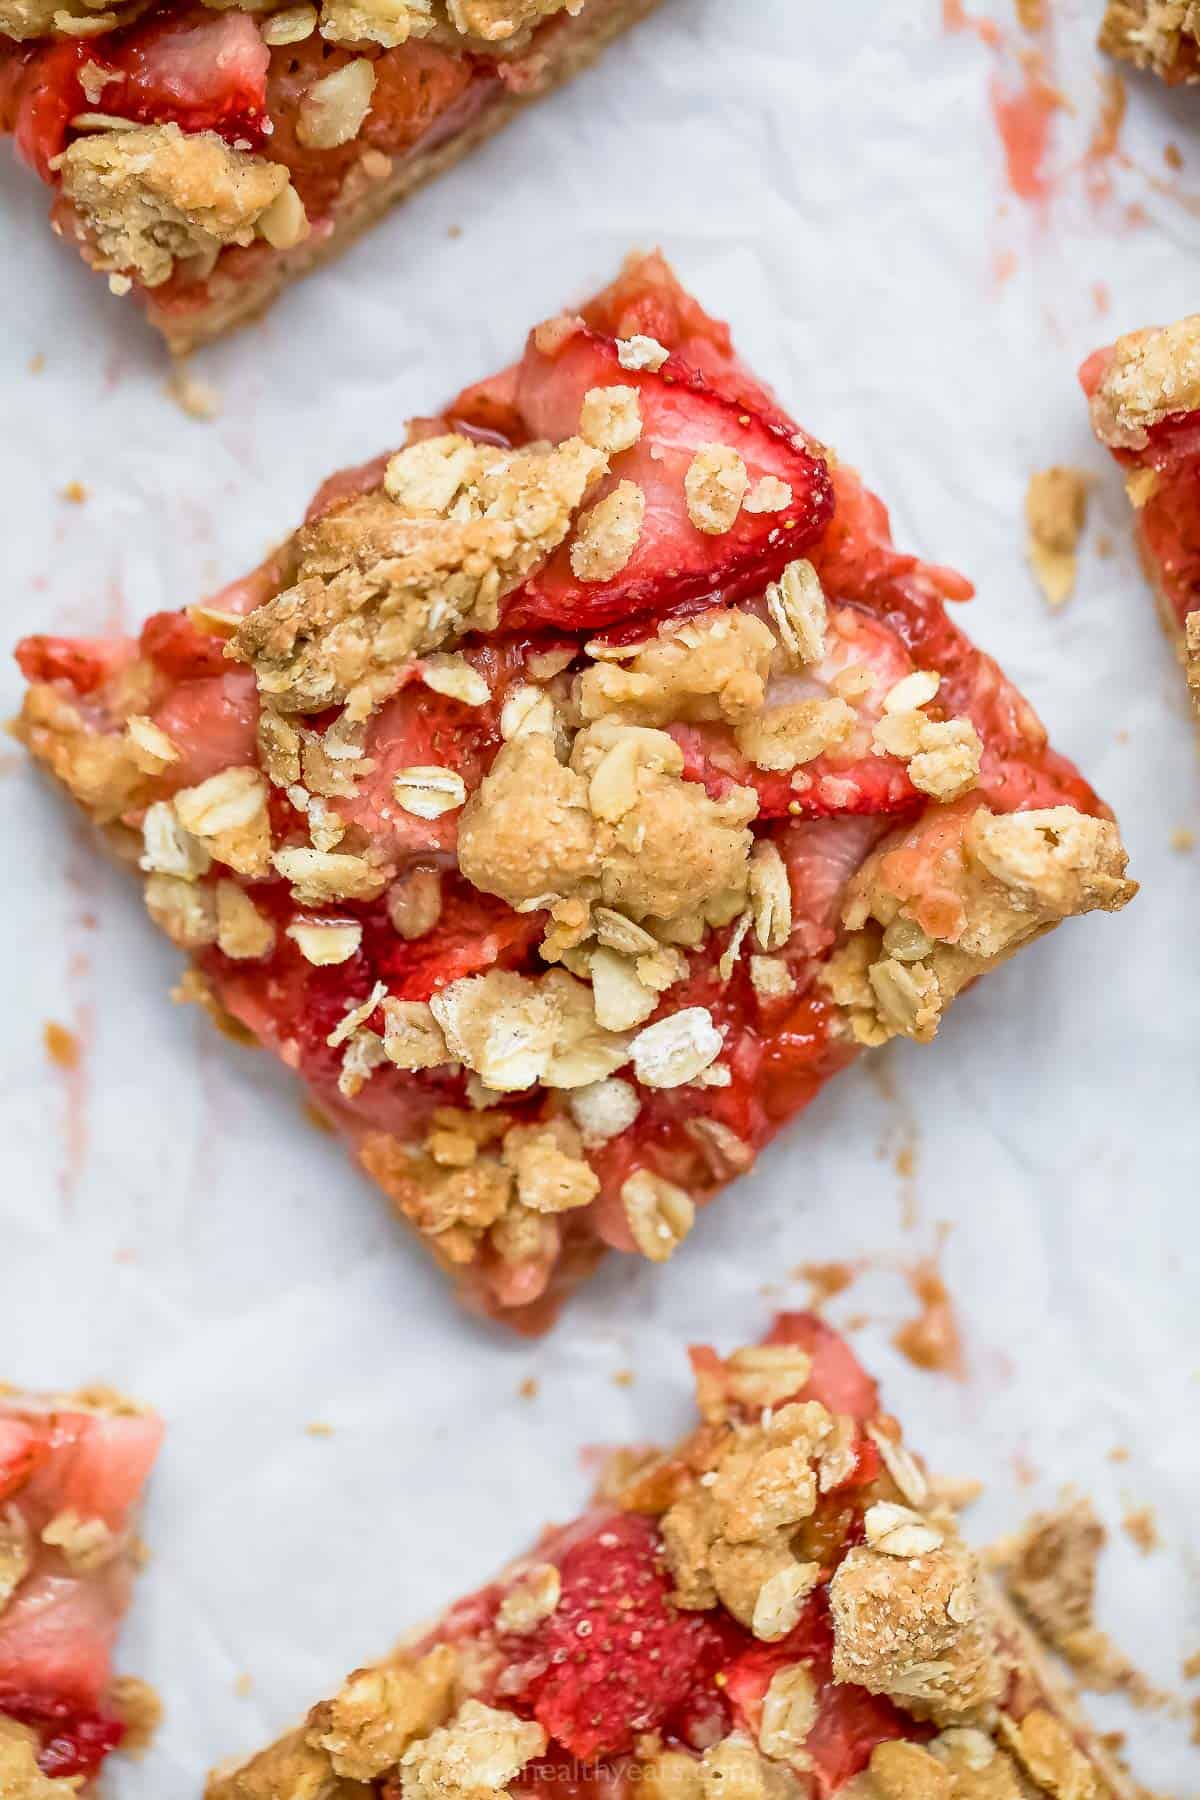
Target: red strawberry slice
{"x": 57, "y": 1634}
{"x": 204, "y": 71}
{"x": 647, "y": 300}
{"x": 674, "y": 566}
{"x": 212, "y": 724}
{"x": 838, "y": 1379}
{"x": 849, "y": 1722}
{"x": 618, "y": 1658}
{"x": 97, "y": 1464}
{"x": 42, "y": 97}
{"x": 21, "y": 1450}
{"x": 866, "y": 786}
{"x": 72, "y": 1741}
{"x": 475, "y": 933}
{"x": 85, "y": 663}
{"x": 854, "y": 778}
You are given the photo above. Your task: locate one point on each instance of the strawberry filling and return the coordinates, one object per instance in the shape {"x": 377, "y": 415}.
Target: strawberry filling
{"x": 65, "y": 1468}
{"x": 72, "y": 1742}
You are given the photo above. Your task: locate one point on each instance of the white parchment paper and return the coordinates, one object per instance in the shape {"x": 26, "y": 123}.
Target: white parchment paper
{"x": 832, "y": 179}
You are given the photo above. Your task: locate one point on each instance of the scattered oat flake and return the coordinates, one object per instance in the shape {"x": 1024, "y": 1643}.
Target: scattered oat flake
{"x": 1191, "y": 1667}
{"x": 528, "y": 1389}
{"x": 1140, "y": 1524}
{"x": 198, "y": 399}
{"x": 75, "y": 492}
{"x": 37, "y": 363}
{"x": 62, "y": 1046}
{"x": 318, "y": 1428}
{"x": 1031, "y": 14}
{"x": 1182, "y": 839}
{"x": 244, "y": 1685}
{"x": 1173, "y": 156}
{"x": 1118, "y": 1454}
{"x": 624, "y": 1378}
{"x": 1055, "y": 511}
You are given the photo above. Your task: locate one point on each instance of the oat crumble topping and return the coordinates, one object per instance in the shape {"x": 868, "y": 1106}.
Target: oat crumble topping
{"x": 154, "y": 195}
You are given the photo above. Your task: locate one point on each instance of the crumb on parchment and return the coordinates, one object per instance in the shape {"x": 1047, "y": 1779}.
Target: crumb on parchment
{"x": 1055, "y": 511}
{"x": 198, "y": 399}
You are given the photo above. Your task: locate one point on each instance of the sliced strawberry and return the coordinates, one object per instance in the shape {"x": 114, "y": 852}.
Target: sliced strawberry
{"x": 617, "y": 1658}
{"x": 647, "y": 300}
{"x": 475, "y": 933}
{"x": 180, "y": 649}
{"x": 674, "y": 565}
{"x": 86, "y": 663}
{"x": 100, "y": 1462}
{"x": 830, "y": 787}
{"x": 57, "y": 1634}
{"x": 72, "y": 1741}
{"x": 212, "y": 724}
{"x": 202, "y": 70}
{"x": 43, "y": 98}
{"x": 838, "y": 1379}
{"x": 849, "y": 1721}
{"x": 21, "y": 1450}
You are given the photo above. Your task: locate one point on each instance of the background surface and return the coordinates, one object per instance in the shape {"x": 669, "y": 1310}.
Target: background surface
{"x": 835, "y": 180}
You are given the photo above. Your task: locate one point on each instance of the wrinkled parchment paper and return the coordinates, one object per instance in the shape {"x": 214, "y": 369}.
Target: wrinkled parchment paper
{"x": 832, "y": 178}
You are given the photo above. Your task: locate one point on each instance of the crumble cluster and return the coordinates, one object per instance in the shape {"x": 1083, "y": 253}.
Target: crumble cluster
{"x": 913, "y": 1619}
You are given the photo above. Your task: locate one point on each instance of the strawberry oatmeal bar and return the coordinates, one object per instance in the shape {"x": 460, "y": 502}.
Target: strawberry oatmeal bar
{"x": 1160, "y": 35}
{"x": 777, "y": 1609}
{"x": 575, "y": 792}
{"x": 72, "y": 1468}
{"x": 1144, "y": 397}
{"x": 205, "y": 153}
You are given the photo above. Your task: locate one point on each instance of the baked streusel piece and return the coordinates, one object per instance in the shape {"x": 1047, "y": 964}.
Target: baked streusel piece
{"x": 777, "y": 1609}
{"x": 577, "y": 790}
{"x": 72, "y": 1469}
{"x": 1144, "y": 398}
{"x": 204, "y": 153}
{"x": 1160, "y": 35}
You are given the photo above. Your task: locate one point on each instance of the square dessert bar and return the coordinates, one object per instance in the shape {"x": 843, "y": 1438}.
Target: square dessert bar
{"x": 576, "y": 791}
{"x": 204, "y": 153}
{"x": 1160, "y": 35}
{"x": 1144, "y": 397}
{"x": 72, "y": 1469}
{"x": 777, "y": 1609}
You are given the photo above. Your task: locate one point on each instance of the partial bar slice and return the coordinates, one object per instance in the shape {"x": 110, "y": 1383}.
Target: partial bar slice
{"x": 1160, "y": 35}
{"x": 777, "y": 1609}
{"x": 575, "y": 792}
{"x": 1144, "y": 397}
{"x": 72, "y": 1469}
{"x": 206, "y": 153}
